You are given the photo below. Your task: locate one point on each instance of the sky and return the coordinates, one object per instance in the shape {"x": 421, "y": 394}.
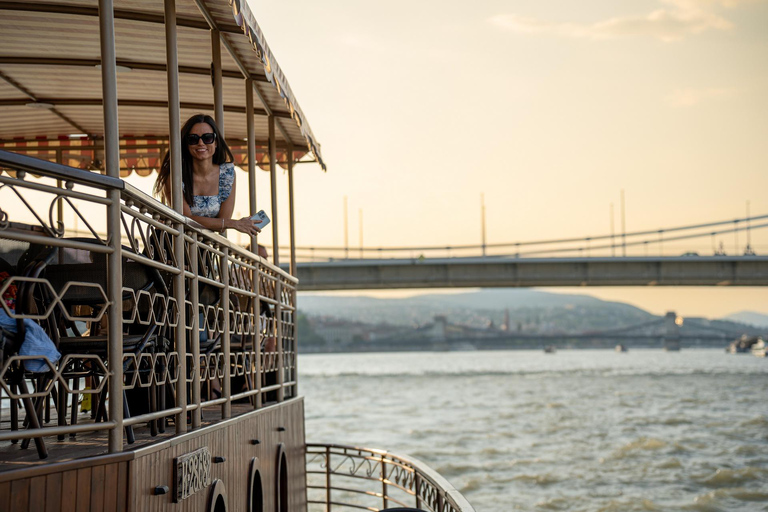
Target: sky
{"x": 545, "y": 112}
{"x": 548, "y": 109}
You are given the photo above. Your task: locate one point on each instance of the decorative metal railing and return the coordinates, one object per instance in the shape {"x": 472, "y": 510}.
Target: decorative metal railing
{"x": 225, "y": 333}
{"x": 347, "y": 477}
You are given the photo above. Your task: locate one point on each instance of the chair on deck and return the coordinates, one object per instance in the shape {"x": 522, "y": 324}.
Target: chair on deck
{"x": 86, "y": 271}
{"x": 15, "y": 372}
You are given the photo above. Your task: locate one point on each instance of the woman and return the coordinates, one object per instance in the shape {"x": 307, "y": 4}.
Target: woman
{"x": 208, "y": 188}
{"x": 207, "y": 178}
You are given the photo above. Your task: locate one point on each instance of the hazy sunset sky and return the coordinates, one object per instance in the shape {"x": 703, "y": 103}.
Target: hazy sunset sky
{"x": 548, "y": 107}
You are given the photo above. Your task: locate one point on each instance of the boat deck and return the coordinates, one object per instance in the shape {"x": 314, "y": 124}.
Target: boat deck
{"x": 91, "y": 444}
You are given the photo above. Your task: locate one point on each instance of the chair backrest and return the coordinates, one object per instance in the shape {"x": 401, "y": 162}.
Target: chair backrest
{"x": 7, "y": 267}
{"x": 7, "y": 338}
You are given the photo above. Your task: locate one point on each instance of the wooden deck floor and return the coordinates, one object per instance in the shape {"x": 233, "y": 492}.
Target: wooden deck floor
{"x": 90, "y": 444}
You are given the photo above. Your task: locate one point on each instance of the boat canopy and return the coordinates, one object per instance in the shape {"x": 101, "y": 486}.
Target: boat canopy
{"x": 51, "y": 89}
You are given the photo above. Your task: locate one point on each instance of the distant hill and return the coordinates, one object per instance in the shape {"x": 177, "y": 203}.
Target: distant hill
{"x": 749, "y": 317}
{"x": 478, "y": 308}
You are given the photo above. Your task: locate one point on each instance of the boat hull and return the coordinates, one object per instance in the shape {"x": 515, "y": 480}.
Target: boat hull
{"x": 260, "y": 454}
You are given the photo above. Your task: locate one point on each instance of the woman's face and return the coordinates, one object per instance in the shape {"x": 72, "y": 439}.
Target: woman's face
{"x": 200, "y": 150}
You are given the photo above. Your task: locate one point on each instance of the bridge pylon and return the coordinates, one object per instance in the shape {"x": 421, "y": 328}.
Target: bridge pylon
{"x": 672, "y": 336}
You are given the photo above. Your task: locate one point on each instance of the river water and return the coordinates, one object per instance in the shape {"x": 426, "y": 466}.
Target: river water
{"x": 580, "y": 430}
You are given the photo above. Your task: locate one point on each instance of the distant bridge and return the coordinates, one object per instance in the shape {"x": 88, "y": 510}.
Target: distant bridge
{"x": 667, "y": 330}
{"x": 509, "y": 272}
{"x": 590, "y": 261}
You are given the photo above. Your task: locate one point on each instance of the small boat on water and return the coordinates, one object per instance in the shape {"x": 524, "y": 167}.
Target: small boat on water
{"x": 184, "y": 341}
{"x": 758, "y": 348}
{"x": 744, "y": 344}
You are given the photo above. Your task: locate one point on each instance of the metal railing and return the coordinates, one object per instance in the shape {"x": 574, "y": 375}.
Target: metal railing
{"x": 351, "y": 478}
{"x": 182, "y": 348}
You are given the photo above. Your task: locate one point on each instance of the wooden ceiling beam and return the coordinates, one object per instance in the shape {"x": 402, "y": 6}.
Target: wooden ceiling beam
{"x": 144, "y": 66}
{"x": 33, "y": 99}
{"x": 86, "y": 102}
{"x": 122, "y": 14}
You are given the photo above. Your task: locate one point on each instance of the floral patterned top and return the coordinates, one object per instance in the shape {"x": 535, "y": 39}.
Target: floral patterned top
{"x": 209, "y": 206}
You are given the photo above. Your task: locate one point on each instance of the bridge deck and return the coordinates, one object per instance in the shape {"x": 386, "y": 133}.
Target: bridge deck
{"x": 534, "y": 272}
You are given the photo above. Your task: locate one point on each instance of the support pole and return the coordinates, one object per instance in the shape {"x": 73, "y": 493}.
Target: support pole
{"x": 748, "y": 249}
{"x": 623, "y": 227}
{"x": 273, "y": 187}
{"x": 613, "y": 242}
{"x": 60, "y": 202}
{"x": 279, "y": 336}
{"x": 251, "y": 133}
{"x": 291, "y": 211}
{"x": 482, "y": 216}
{"x": 194, "y": 287}
{"x": 174, "y": 140}
{"x": 360, "y": 222}
{"x": 114, "y": 259}
{"x": 253, "y": 208}
{"x": 218, "y": 91}
{"x": 226, "y": 385}
{"x": 346, "y": 230}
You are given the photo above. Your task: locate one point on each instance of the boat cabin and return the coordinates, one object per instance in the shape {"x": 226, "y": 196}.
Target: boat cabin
{"x": 136, "y": 345}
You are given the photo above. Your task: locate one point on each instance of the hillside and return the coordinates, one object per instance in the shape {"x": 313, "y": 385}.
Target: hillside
{"x": 479, "y": 308}
{"x": 749, "y": 317}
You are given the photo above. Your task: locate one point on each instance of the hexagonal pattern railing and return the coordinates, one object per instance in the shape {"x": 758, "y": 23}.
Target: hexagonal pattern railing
{"x": 234, "y": 337}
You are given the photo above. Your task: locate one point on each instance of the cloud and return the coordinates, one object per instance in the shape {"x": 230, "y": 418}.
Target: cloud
{"x": 703, "y": 4}
{"x": 678, "y": 19}
{"x": 682, "y": 98}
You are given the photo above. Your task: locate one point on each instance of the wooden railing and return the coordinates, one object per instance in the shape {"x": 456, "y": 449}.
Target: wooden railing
{"x": 352, "y": 478}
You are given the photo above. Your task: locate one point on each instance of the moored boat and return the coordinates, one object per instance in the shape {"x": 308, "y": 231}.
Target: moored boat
{"x": 743, "y": 345}
{"x": 163, "y": 324}
{"x": 758, "y": 348}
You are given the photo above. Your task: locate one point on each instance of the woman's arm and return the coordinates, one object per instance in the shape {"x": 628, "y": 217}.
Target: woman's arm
{"x": 246, "y": 224}
{"x": 224, "y": 219}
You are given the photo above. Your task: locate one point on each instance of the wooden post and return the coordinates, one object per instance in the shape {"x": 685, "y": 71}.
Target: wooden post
{"x": 226, "y": 385}
{"x": 273, "y": 187}
{"x": 195, "y": 332}
{"x": 114, "y": 259}
{"x": 328, "y": 493}
{"x": 251, "y": 132}
{"x": 218, "y": 91}
{"x": 174, "y": 141}
{"x": 253, "y": 209}
{"x": 384, "y": 491}
{"x": 291, "y": 211}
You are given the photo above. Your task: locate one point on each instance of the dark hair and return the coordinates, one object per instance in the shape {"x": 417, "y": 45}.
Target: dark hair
{"x": 220, "y": 156}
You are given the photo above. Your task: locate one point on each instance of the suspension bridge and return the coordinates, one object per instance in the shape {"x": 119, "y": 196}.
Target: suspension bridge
{"x": 669, "y": 331}
{"x": 662, "y": 257}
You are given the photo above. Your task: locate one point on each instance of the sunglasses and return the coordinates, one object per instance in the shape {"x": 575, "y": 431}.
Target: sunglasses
{"x": 208, "y": 138}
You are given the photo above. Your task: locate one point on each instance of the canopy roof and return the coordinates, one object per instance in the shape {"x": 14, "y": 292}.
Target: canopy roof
{"x": 50, "y": 80}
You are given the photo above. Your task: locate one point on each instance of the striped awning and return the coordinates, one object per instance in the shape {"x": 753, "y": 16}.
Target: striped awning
{"x": 50, "y": 81}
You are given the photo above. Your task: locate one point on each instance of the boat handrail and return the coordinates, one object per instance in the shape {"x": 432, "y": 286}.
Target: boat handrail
{"x": 36, "y": 166}
{"x": 400, "y": 480}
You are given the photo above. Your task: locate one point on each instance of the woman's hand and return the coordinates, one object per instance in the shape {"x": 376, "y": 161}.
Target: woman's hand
{"x": 245, "y": 225}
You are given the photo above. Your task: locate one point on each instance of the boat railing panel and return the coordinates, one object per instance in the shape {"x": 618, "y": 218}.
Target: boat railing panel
{"x": 238, "y": 310}
{"x": 352, "y": 478}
